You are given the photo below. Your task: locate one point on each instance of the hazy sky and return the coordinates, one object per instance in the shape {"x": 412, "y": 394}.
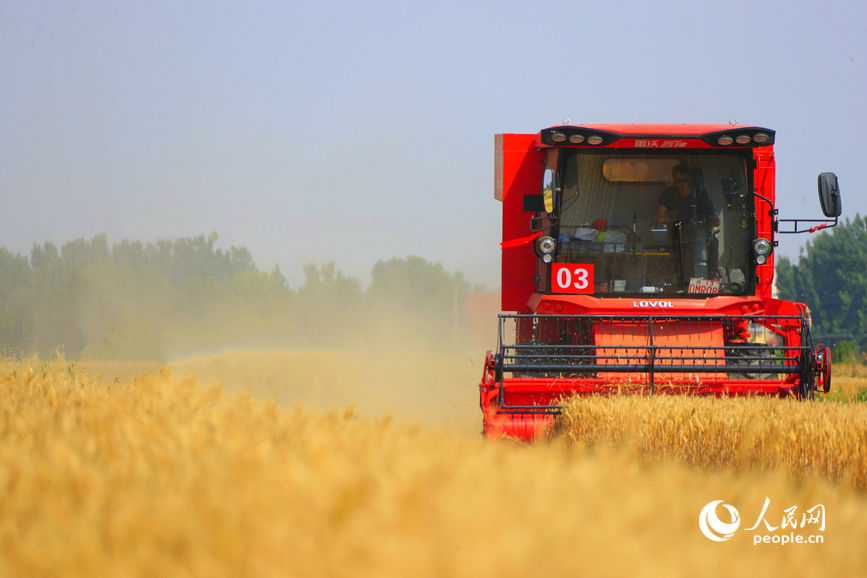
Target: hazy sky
{"x": 350, "y": 132}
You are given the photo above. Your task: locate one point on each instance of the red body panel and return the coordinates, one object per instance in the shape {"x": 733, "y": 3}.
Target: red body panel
{"x": 764, "y": 182}
{"x": 635, "y": 337}
{"x": 521, "y": 166}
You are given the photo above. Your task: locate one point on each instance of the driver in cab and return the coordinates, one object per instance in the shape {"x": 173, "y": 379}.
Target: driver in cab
{"x": 684, "y": 202}
{"x": 691, "y": 209}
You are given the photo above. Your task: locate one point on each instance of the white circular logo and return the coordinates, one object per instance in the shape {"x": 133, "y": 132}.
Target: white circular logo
{"x": 714, "y": 528}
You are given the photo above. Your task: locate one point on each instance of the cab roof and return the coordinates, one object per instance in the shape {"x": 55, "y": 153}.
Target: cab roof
{"x": 651, "y": 135}
{"x": 628, "y": 129}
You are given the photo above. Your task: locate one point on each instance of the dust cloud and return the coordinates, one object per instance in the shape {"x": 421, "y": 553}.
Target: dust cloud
{"x": 408, "y": 344}
{"x": 431, "y": 387}
{"x": 398, "y": 350}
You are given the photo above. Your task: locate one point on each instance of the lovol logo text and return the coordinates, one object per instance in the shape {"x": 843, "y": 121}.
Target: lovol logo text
{"x": 653, "y": 304}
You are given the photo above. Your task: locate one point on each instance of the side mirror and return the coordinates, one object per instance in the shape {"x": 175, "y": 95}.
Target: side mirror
{"x": 829, "y": 195}
{"x": 549, "y": 190}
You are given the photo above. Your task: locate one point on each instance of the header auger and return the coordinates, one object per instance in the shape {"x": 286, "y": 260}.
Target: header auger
{"x": 639, "y": 258}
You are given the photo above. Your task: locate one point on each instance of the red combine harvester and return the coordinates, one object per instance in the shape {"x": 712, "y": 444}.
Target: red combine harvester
{"x": 639, "y": 258}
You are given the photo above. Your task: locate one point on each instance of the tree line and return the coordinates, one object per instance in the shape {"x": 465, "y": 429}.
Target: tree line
{"x": 134, "y": 300}
{"x": 830, "y": 276}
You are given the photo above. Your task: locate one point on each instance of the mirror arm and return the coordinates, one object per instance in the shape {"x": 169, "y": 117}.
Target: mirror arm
{"x": 765, "y": 199}
{"x": 773, "y": 214}
{"x": 536, "y": 223}
{"x": 823, "y": 224}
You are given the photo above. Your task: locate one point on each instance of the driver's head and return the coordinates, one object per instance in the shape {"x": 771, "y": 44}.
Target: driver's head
{"x": 682, "y": 178}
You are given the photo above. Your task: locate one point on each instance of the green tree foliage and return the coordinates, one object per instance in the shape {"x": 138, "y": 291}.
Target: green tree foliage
{"x": 134, "y": 300}
{"x": 14, "y": 281}
{"x": 182, "y": 259}
{"x": 831, "y": 277}
{"x": 53, "y": 289}
{"x": 414, "y": 298}
{"x": 112, "y": 293}
{"x": 328, "y": 305}
{"x": 262, "y": 293}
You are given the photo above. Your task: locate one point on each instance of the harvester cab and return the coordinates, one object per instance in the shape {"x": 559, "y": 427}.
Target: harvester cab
{"x": 640, "y": 258}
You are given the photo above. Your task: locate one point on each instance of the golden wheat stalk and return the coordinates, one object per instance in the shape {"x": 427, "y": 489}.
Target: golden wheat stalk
{"x": 161, "y": 476}
{"x": 825, "y": 439}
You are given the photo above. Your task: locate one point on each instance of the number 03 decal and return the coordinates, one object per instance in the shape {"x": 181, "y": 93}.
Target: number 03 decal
{"x": 572, "y": 278}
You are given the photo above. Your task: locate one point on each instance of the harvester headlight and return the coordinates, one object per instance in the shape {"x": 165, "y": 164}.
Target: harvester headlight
{"x": 547, "y": 245}
{"x": 547, "y": 258}
{"x": 760, "y": 137}
{"x": 743, "y": 139}
{"x": 558, "y": 137}
{"x": 576, "y": 138}
{"x": 762, "y": 247}
{"x": 761, "y": 259}
{"x": 725, "y": 140}
{"x": 595, "y": 140}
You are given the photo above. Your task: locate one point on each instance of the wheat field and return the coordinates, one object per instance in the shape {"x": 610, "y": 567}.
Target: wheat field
{"x": 165, "y": 473}
{"x": 801, "y": 438}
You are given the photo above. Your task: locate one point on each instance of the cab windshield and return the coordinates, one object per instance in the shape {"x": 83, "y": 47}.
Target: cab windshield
{"x": 674, "y": 225}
